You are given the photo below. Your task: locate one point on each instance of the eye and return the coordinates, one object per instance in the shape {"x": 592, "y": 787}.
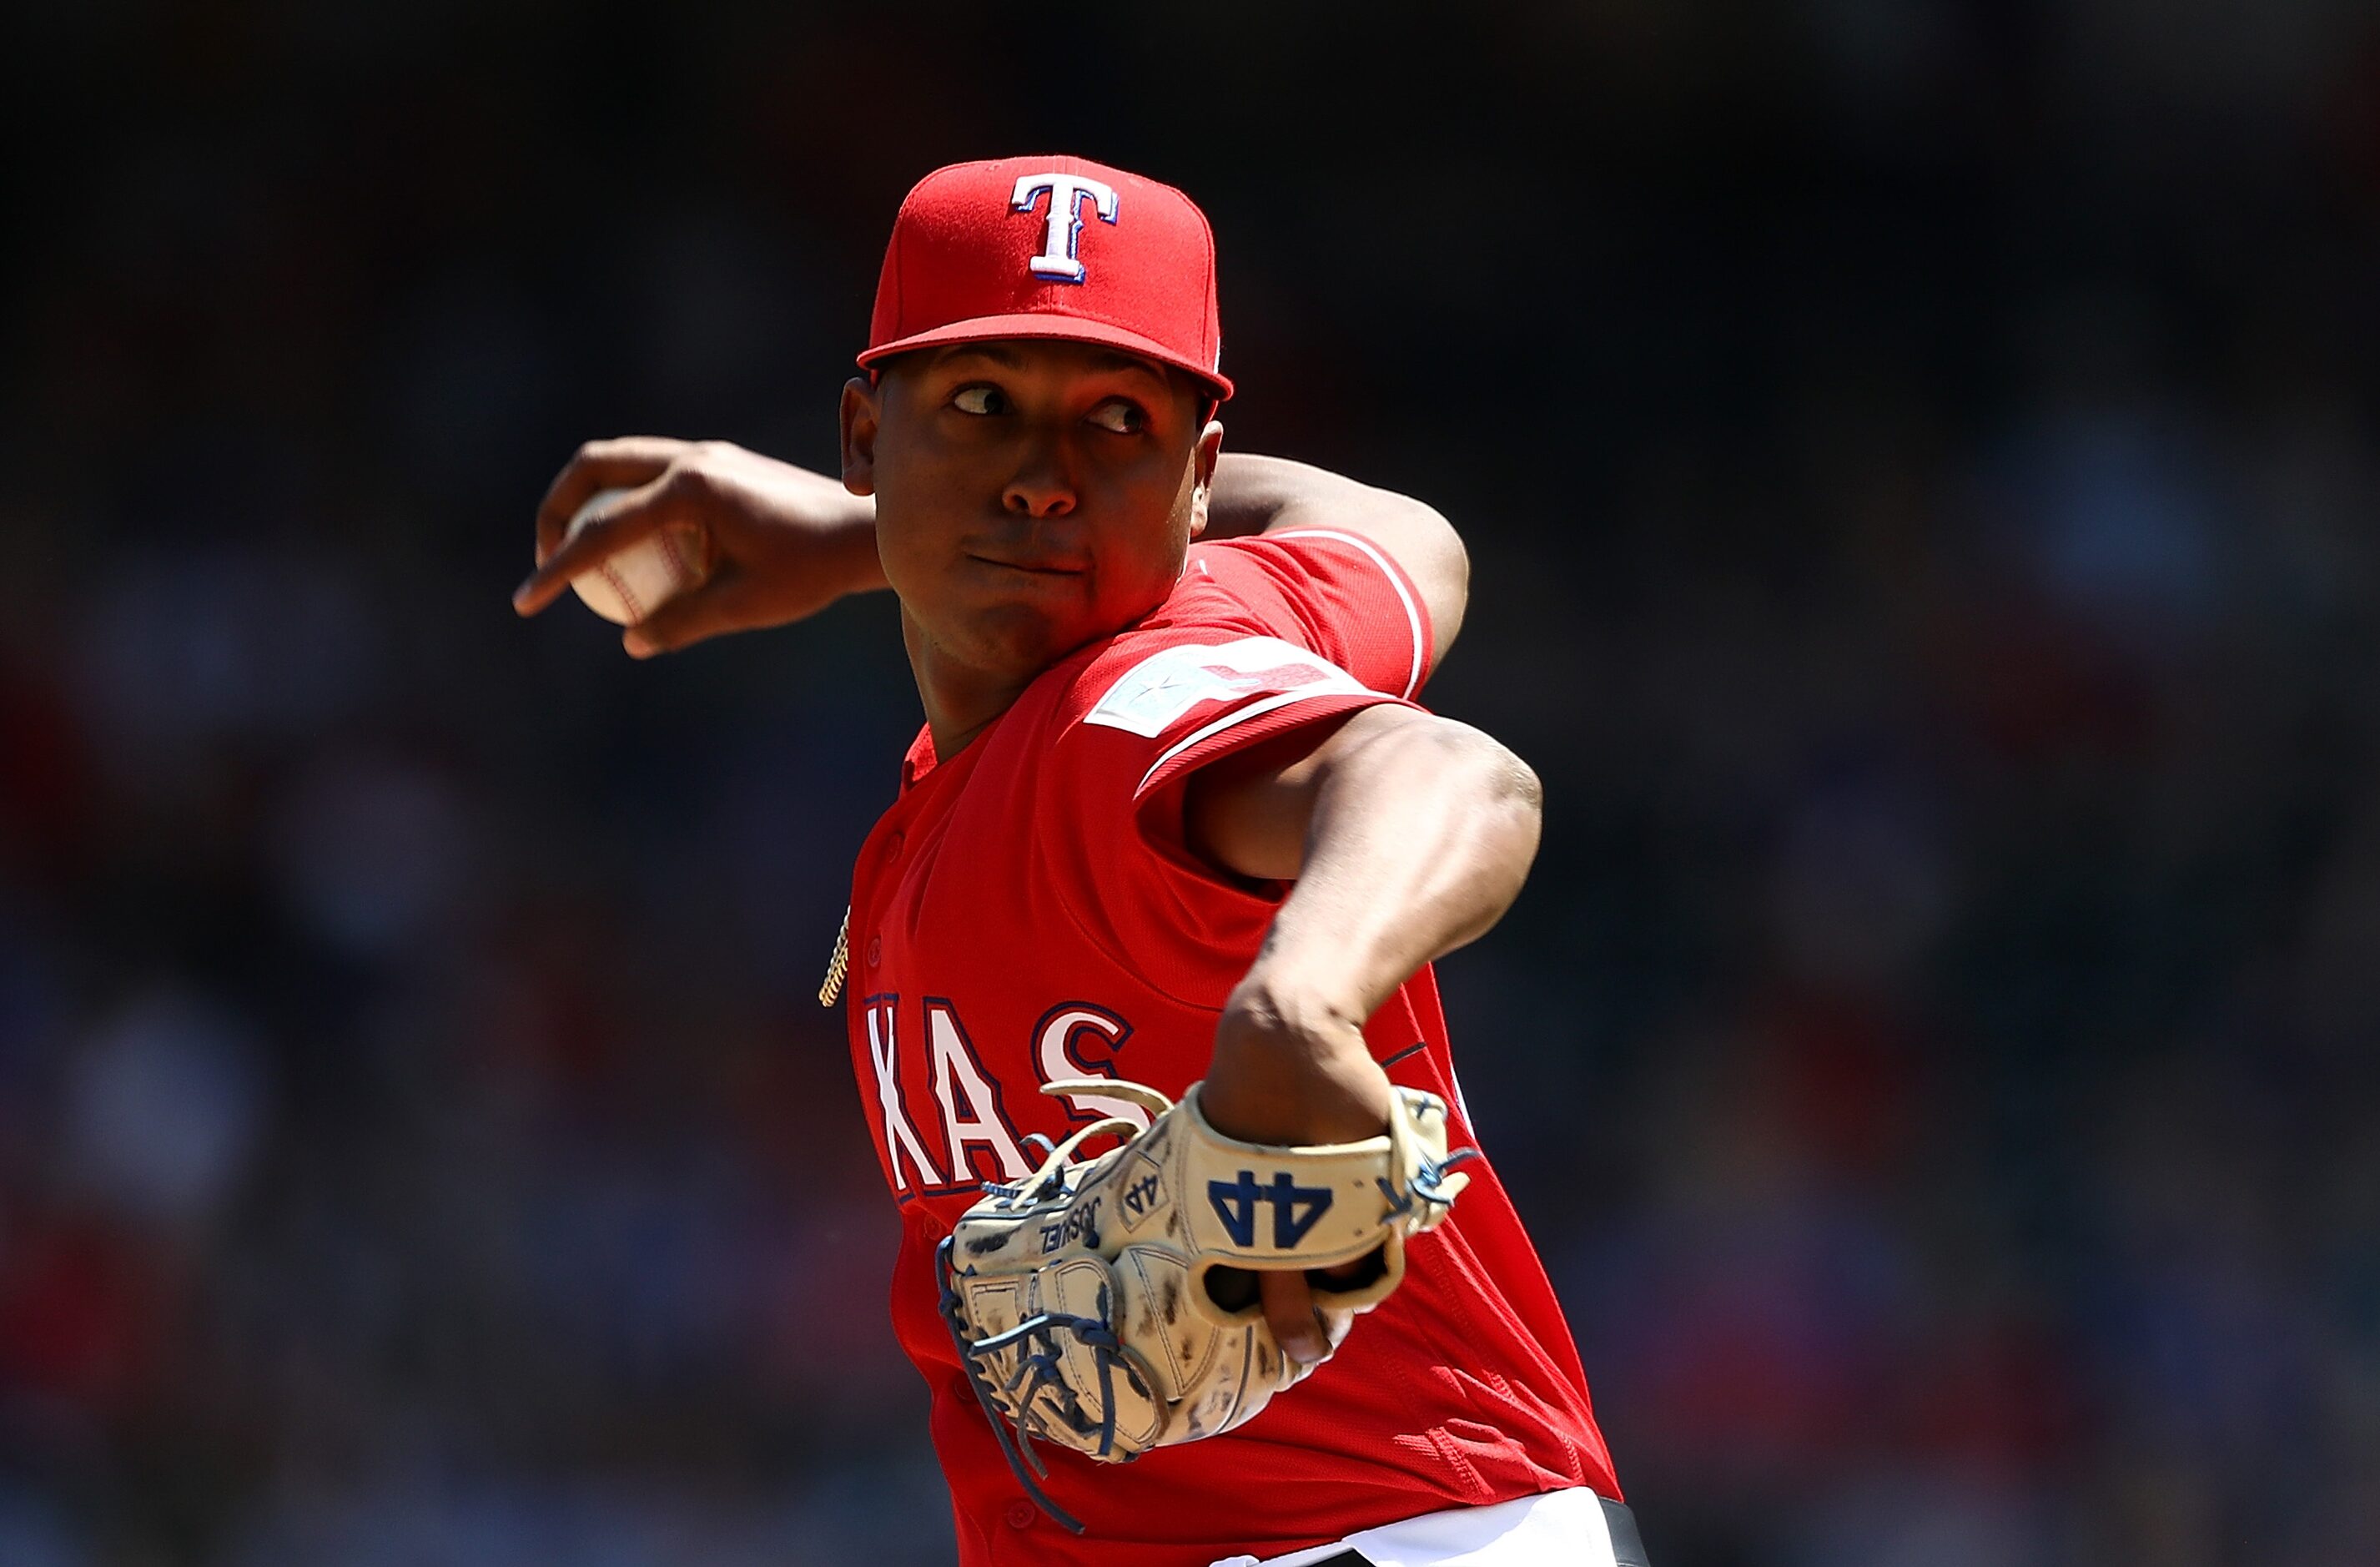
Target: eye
{"x": 1122, "y": 416}
{"x": 980, "y": 399}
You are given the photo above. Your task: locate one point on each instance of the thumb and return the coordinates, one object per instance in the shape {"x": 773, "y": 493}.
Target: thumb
{"x": 1289, "y": 1312}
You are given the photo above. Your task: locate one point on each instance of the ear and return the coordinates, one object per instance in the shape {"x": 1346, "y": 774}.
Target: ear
{"x": 1202, "y": 479}
{"x": 858, "y": 416}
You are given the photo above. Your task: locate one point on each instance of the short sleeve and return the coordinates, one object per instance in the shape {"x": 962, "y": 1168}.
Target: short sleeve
{"x": 1109, "y": 810}
{"x": 1338, "y": 593}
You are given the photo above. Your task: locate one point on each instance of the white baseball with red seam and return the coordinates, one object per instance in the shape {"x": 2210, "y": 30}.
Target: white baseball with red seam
{"x": 630, "y": 583}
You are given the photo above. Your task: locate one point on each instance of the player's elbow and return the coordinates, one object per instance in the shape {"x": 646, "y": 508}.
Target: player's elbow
{"x": 1519, "y": 793}
{"x": 1518, "y": 783}
{"x": 1499, "y": 787}
{"x": 1496, "y": 806}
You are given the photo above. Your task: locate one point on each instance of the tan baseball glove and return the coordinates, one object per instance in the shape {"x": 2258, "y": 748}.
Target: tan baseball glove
{"x": 1108, "y": 1306}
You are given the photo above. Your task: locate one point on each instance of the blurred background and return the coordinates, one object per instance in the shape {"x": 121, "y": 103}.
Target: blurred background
{"x": 1920, "y": 458}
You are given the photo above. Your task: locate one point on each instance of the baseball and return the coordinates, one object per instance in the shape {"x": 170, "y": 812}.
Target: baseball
{"x": 632, "y": 583}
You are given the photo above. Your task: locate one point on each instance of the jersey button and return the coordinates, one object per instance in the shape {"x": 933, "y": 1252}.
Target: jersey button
{"x": 1021, "y": 1514}
{"x": 875, "y": 949}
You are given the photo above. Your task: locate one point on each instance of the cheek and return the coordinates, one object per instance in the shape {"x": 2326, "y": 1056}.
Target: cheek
{"x": 920, "y": 503}
{"x": 906, "y": 544}
{"x": 1158, "y": 547}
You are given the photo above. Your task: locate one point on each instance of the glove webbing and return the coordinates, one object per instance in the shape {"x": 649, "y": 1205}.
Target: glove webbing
{"x": 1037, "y": 1370}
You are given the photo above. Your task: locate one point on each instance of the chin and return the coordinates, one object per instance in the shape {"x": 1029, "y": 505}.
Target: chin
{"x": 1018, "y": 641}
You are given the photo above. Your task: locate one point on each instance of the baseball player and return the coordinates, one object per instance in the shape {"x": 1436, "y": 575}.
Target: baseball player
{"x": 1175, "y": 818}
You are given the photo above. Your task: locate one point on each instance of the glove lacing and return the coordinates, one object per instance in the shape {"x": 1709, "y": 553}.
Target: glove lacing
{"x": 1036, "y": 1370}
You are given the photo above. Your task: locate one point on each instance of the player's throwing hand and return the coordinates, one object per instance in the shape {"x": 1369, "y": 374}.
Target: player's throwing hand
{"x": 786, "y": 542}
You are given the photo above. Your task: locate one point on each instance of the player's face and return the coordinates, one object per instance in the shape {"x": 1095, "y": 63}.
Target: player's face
{"x": 1031, "y": 496}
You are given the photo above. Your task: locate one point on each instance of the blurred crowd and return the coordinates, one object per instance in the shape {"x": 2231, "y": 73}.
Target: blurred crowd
{"x": 1921, "y": 463}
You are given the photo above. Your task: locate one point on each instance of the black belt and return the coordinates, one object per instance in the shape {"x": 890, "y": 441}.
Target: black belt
{"x": 1627, "y": 1546}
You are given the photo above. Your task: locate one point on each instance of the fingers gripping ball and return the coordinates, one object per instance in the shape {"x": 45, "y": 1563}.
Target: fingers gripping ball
{"x": 1079, "y": 1298}
{"x": 630, "y": 583}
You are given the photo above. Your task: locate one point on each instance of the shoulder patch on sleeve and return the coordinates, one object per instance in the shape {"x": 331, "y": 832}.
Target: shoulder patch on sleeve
{"x": 1151, "y": 697}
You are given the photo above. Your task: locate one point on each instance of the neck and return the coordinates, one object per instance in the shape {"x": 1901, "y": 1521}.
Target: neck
{"x": 960, "y": 702}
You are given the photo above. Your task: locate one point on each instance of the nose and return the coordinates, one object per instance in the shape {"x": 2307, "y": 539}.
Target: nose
{"x": 1040, "y": 487}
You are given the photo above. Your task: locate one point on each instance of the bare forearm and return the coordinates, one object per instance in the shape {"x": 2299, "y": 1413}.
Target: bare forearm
{"x": 1407, "y": 835}
{"x": 1420, "y": 838}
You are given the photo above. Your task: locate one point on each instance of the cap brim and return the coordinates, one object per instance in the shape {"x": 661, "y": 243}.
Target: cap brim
{"x": 1070, "y": 329}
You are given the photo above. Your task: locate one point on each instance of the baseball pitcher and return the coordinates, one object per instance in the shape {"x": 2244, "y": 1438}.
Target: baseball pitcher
{"x": 1200, "y": 1256}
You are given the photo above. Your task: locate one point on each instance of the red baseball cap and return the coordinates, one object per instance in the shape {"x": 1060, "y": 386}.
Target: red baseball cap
{"x": 1050, "y": 248}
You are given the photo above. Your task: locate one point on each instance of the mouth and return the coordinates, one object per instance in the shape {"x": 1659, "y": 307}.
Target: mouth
{"x": 1030, "y": 565}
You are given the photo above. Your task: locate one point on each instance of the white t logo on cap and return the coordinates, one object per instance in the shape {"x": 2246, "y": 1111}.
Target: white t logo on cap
{"x": 1057, "y": 260}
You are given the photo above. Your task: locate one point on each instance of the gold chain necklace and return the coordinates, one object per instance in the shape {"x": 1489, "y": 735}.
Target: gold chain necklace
{"x": 831, "y": 987}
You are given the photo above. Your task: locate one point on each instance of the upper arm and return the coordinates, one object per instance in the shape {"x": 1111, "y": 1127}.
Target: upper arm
{"x": 1126, "y": 739}
{"x": 1248, "y": 813}
{"x": 1293, "y": 495}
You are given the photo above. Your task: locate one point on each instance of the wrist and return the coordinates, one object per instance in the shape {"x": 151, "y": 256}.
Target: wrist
{"x": 1278, "y": 1000}
{"x": 1313, "y": 967}
{"x": 1291, "y": 1066}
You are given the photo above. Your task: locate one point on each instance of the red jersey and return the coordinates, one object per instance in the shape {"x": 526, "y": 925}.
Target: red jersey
{"x": 1028, "y": 911}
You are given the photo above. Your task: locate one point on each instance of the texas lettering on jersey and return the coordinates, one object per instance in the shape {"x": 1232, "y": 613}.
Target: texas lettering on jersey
{"x": 968, "y": 1137}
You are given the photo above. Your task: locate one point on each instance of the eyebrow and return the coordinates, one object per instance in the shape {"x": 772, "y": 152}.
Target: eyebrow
{"x": 1110, "y": 358}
